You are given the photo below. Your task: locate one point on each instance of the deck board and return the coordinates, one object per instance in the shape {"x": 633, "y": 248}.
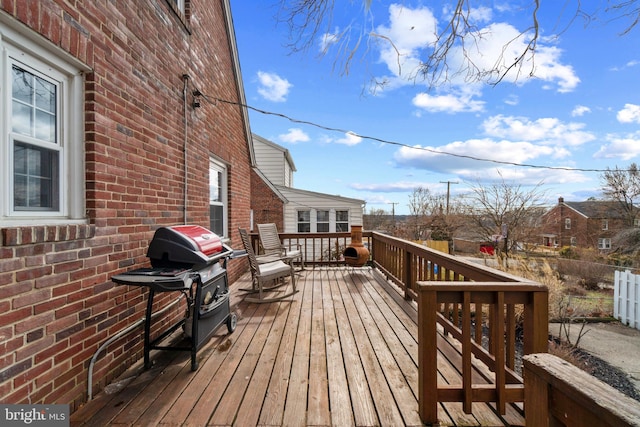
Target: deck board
{"x": 342, "y": 351}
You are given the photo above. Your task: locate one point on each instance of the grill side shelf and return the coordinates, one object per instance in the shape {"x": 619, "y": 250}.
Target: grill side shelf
{"x": 160, "y": 279}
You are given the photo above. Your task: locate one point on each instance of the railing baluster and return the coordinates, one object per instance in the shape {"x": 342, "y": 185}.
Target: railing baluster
{"x": 467, "y": 383}
{"x": 479, "y": 324}
{"x": 499, "y": 353}
{"x": 510, "y": 324}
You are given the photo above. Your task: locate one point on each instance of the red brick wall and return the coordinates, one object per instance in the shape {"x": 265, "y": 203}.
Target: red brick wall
{"x": 266, "y": 205}
{"x": 57, "y": 302}
{"x": 586, "y": 231}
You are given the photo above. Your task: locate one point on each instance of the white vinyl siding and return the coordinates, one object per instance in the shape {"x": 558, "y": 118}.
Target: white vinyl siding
{"x": 343, "y": 212}
{"x": 273, "y": 162}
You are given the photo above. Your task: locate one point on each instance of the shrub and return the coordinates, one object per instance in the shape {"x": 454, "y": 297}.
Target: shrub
{"x": 544, "y": 274}
{"x": 568, "y": 252}
{"x": 587, "y": 274}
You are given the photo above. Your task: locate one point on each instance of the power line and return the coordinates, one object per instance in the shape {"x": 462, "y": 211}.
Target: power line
{"x": 400, "y": 144}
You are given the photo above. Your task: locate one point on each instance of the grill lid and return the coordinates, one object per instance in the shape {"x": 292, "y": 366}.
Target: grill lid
{"x": 184, "y": 244}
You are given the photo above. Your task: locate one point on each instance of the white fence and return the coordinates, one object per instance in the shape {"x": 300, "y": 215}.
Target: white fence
{"x": 626, "y": 298}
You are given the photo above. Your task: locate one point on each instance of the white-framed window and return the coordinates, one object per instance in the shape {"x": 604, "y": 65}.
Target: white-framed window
{"x": 574, "y": 242}
{"x": 41, "y": 131}
{"x": 605, "y": 224}
{"x": 322, "y": 221}
{"x": 342, "y": 220}
{"x": 604, "y": 243}
{"x": 180, "y": 5}
{"x": 304, "y": 221}
{"x": 218, "y": 204}
{"x": 636, "y": 222}
{"x": 567, "y": 223}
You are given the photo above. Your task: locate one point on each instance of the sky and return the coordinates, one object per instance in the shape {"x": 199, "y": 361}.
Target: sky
{"x": 571, "y": 113}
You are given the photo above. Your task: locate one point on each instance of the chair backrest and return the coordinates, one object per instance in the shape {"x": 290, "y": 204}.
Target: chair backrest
{"x": 246, "y": 242}
{"x": 270, "y": 238}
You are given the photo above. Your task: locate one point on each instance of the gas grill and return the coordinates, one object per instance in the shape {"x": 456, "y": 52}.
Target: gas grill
{"x": 186, "y": 259}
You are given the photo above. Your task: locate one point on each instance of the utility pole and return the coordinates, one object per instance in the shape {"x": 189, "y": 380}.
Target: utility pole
{"x": 393, "y": 213}
{"x": 448, "y": 191}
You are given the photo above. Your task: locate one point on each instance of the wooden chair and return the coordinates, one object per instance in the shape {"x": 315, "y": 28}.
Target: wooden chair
{"x": 267, "y": 276}
{"x": 273, "y": 247}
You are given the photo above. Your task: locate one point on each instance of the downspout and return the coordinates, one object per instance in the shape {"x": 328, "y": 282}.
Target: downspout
{"x": 185, "y": 78}
{"x": 117, "y": 336}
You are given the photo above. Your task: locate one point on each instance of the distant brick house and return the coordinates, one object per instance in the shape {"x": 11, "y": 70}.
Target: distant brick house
{"x": 104, "y": 139}
{"x": 588, "y": 224}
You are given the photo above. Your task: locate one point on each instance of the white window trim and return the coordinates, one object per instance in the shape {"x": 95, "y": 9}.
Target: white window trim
{"x": 335, "y": 219}
{"x": 604, "y": 243}
{"x": 224, "y": 200}
{"x": 180, "y": 4}
{"x": 328, "y": 221}
{"x": 313, "y": 221}
{"x": 22, "y": 45}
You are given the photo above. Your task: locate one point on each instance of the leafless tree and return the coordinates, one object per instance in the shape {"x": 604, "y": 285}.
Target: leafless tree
{"x": 313, "y": 20}
{"x": 623, "y": 186}
{"x": 504, "y": 212}
{"x": 429, "y": 217}
{"x": 377, "y": 220}
{"x": 423, "y": 206}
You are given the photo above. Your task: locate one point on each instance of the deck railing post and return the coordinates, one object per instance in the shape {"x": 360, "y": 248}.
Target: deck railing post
{"x": 536, "y": 324}
{"x": 427, "y": 357}
{"x": 408, "y": 274}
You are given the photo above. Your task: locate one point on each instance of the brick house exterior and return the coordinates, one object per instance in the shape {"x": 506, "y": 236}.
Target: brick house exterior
{"x": 267, "y": 203}
{"x": 110, "y": 85}
{"x": 588, "y": 224}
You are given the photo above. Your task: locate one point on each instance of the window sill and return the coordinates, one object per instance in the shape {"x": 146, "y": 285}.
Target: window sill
{"x": 28, "y": 235}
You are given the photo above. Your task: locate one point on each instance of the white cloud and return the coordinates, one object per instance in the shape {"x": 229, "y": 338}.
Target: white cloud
{"x": 409, "y": 31}
{"x": 389, "y": 187}
{"x": 350, "y": 138}
{"x": 410, "y": 35}
{"x": 481, "y": 14}
{"x": 494, "y": 49}
{"x": 293, "y": 136}
{"x": 580, "y": 110}
{"x": 273, "y": 87}
{"x": 524, "y": 176}
{"x": 326, "y": 40}
{"x": 512, "y": 100}
{"x": 629, "y": 114}
{"x": 625, "y": 148}
{"x": 629, "y": 64}
{"x": 449, "y": 103}
{"x": 487, "y": 159}
{"x": 462, "y": 155}
{"x": 546, "y": 131}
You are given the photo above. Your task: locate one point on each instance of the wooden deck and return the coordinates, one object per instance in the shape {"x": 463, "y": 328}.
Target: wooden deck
{"x": 342, "y": 351}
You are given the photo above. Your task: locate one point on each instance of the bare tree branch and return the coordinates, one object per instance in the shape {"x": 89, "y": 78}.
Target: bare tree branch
{"x": 311, "y": 22}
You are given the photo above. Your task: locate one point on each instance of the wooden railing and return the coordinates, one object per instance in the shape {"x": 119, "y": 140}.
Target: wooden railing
{"x": 317, "y": 248}
{"x": 472, "y": 312}
{"x": 560, "y": 394}
{"x": 485, "y": 309}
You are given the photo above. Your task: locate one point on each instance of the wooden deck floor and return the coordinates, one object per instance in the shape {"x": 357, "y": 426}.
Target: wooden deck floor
{"x": 341, "y": 352}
